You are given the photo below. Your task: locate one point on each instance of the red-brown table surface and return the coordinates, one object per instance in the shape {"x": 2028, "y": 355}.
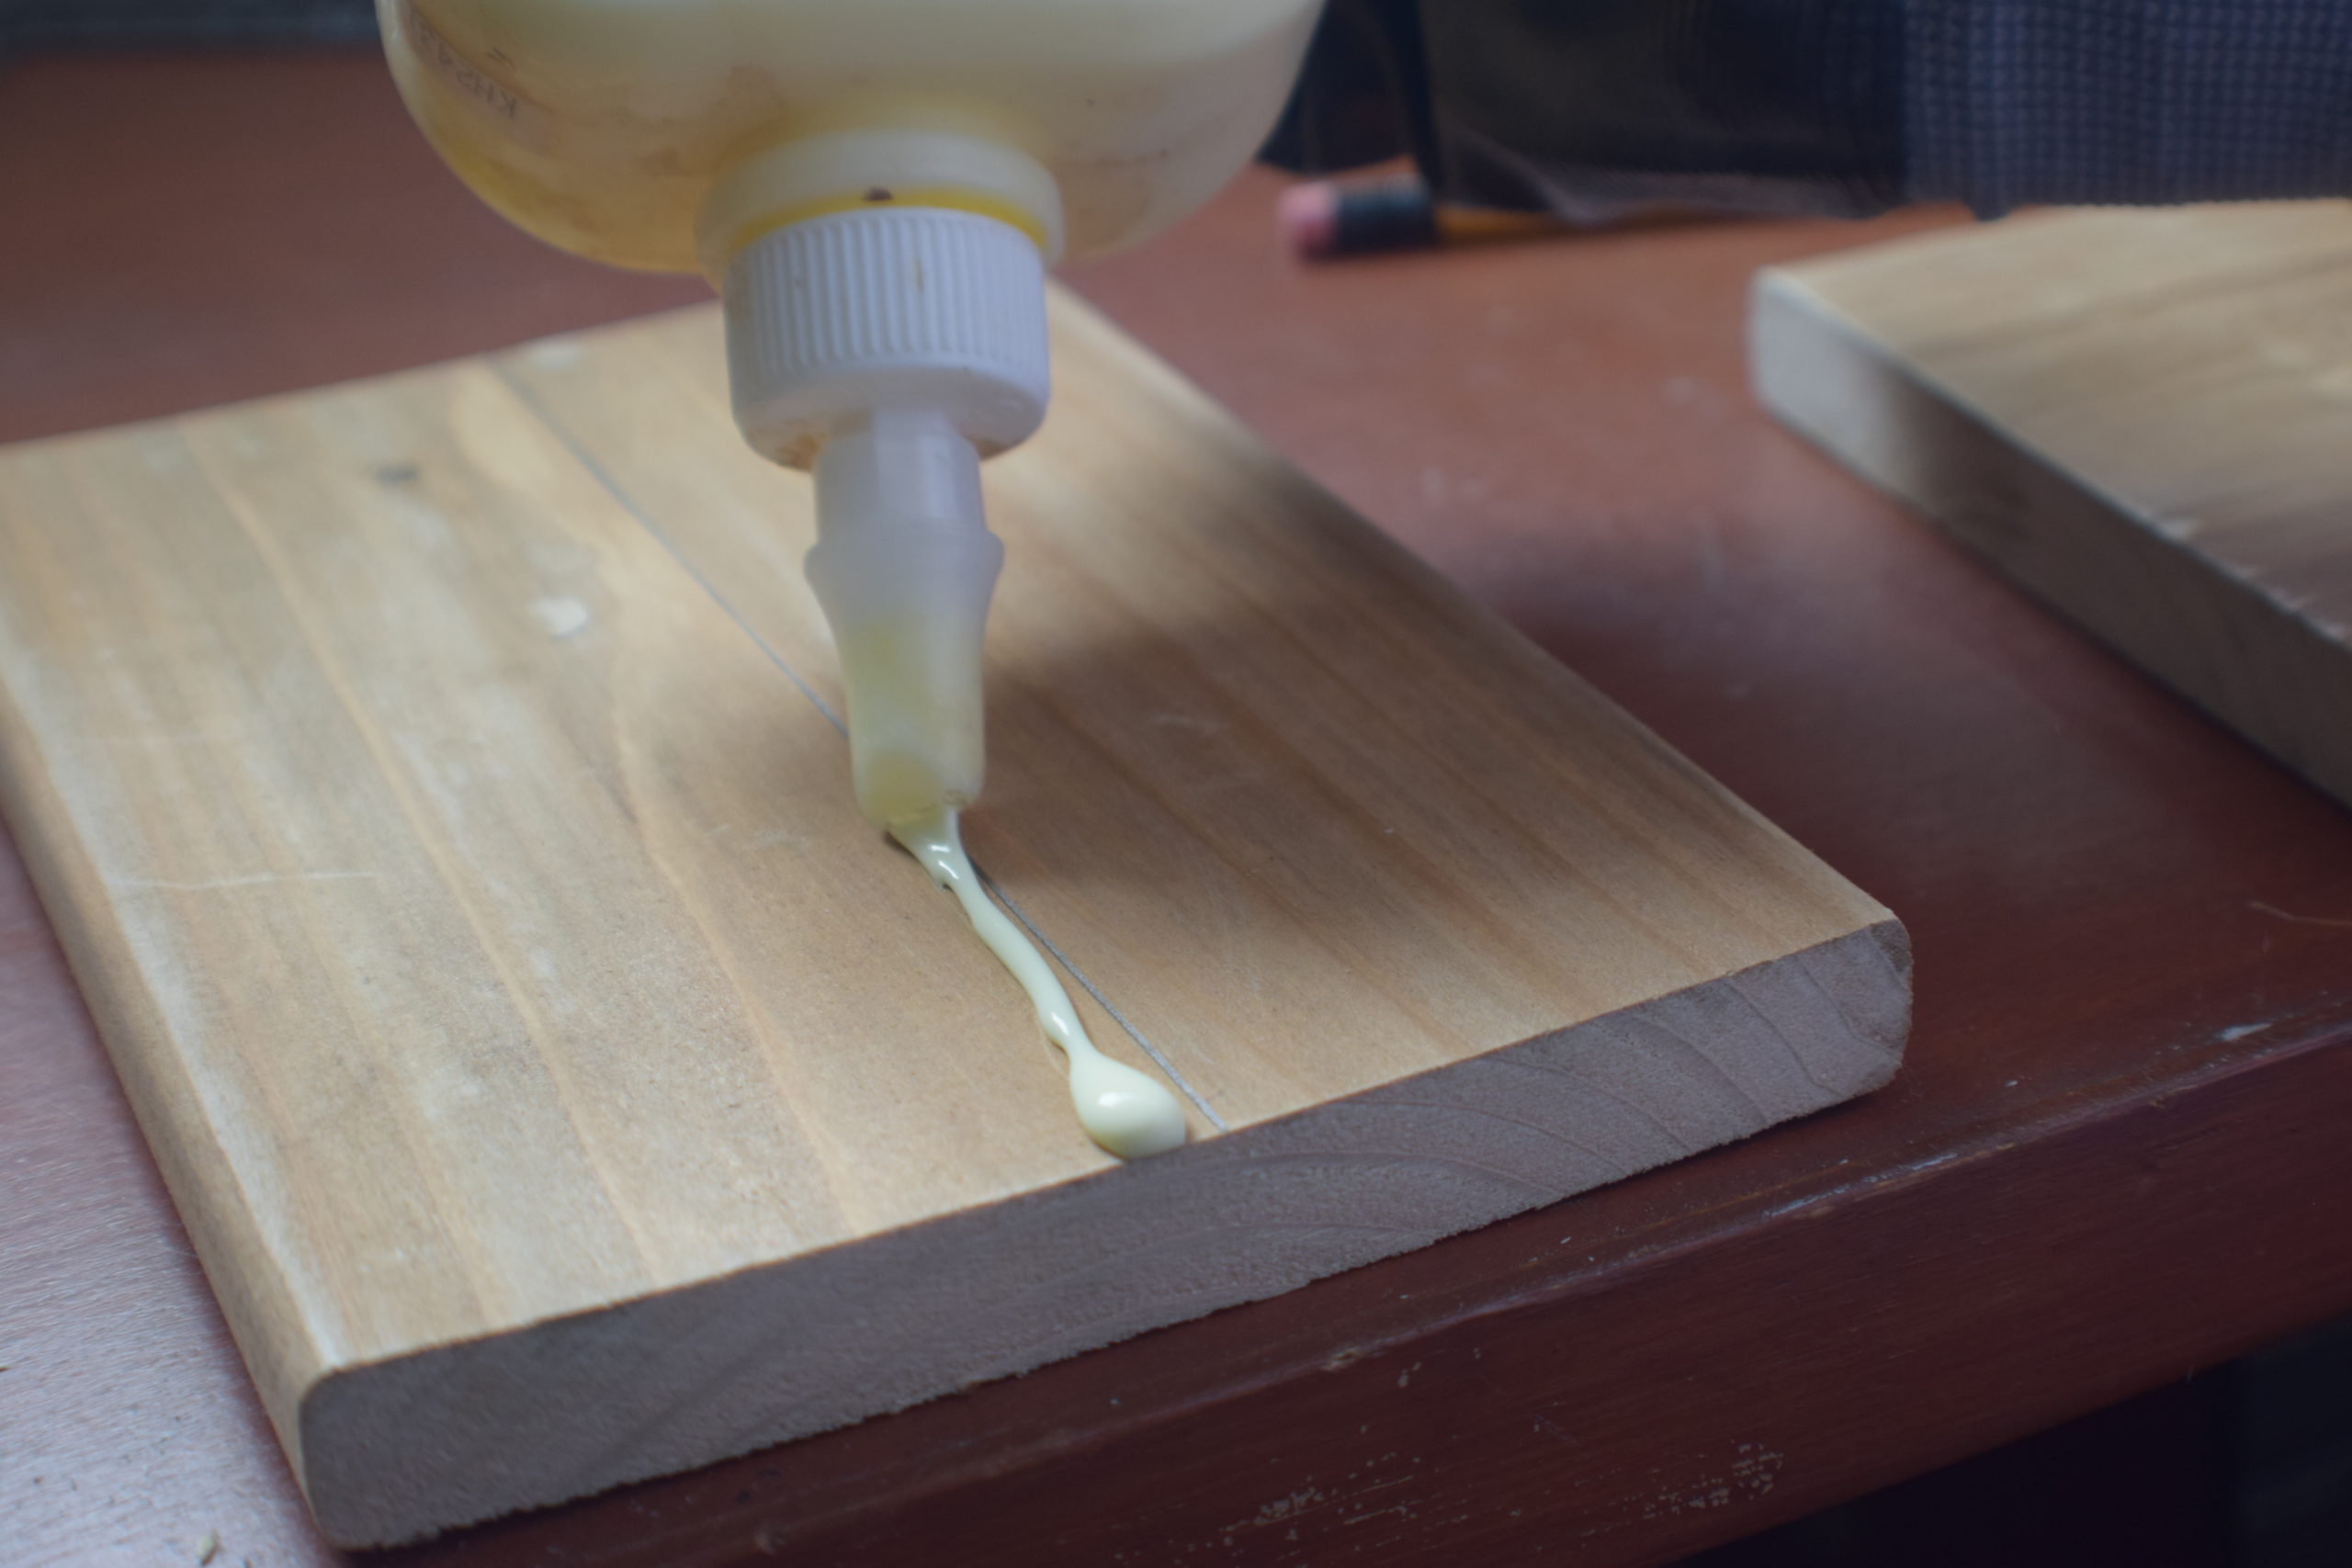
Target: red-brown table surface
{"x": 2119, "y": 1151}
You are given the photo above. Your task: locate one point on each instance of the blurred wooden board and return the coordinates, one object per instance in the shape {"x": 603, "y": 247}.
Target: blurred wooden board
{"x": 432, "y": 781}
{"x": 2144, "y": 417}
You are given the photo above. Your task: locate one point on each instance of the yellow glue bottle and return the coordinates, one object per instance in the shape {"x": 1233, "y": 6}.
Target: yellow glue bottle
{"x": 876, "y": 188}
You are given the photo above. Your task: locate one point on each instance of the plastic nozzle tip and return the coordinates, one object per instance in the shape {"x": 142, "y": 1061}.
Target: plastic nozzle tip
{"x": 904, "y": 566}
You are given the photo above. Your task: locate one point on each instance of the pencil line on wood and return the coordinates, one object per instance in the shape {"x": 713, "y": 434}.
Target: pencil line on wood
{"x": 627, "y": 502}
{"x": 1145, "y": 1046}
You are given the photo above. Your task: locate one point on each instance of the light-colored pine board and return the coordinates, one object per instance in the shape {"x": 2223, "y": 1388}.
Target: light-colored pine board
{"x": 432, "y": 781}
{"x": 2144, "y": 417}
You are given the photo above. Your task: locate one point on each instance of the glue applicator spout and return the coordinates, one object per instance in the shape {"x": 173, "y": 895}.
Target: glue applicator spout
{"x": 904, "y": 566}
{"x": 888, "y": 347}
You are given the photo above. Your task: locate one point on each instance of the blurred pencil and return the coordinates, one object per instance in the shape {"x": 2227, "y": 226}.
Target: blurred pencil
{"x": 1324, "y": 219}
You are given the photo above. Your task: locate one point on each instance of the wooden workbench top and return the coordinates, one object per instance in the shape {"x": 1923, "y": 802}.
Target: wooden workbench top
{"x": 2112, "y": 1159}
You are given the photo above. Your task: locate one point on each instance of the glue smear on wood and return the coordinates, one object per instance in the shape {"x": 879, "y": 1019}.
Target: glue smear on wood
{"x": 1128, "y": 1113}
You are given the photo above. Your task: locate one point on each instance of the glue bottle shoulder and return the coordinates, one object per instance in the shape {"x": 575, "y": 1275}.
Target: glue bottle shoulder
{"x": 605, "y": 125}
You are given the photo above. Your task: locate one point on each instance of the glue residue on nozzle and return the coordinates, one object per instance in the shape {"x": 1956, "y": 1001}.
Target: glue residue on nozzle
{"x": 917, "y": 726}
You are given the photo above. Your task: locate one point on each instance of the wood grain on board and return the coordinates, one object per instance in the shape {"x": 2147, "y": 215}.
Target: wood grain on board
{"x": 2144, "y": 417}
{"x": 434, "y": 784}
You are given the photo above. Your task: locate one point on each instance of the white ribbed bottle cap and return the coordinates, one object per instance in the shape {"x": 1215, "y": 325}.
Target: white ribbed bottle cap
{"x": 832, "y": 318}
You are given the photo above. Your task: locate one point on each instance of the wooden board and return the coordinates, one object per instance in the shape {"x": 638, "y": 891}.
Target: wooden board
{"x": 432, "y": 781}
{"x": 2144, "y": 417}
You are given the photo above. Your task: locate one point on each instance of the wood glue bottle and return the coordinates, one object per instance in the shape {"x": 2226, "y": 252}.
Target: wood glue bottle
{"x": 876, "y": 188}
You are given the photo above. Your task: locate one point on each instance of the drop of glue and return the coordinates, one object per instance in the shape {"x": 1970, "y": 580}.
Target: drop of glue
{"x": 1128, "y": 1113}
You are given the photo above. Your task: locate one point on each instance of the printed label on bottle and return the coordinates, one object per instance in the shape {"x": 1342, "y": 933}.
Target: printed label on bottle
{"x": 474, "y": 80}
